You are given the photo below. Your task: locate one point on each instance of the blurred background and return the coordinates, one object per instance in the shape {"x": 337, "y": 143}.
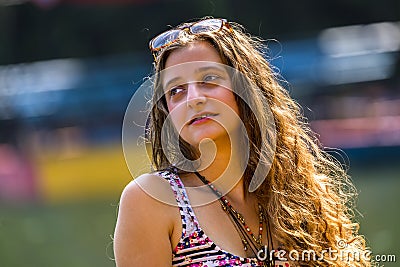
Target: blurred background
{"x": 68, "y": 69}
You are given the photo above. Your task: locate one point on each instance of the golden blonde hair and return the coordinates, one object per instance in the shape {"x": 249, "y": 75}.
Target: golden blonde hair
{"x": 307, "y": 193}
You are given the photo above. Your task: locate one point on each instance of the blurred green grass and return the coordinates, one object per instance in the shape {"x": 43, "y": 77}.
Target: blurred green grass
{"x": 79, "y": 234}
{"x": 64, "y": 235}
{"x": 378, "y": 202}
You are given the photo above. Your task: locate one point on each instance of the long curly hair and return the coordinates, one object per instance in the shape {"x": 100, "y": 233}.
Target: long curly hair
{"x": 307, "y": 193}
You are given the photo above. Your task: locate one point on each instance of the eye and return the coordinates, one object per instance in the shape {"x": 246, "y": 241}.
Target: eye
{"x": 210, "y": 77}
{"x": 176, "y": 90}
{"x": 210, "y": 80}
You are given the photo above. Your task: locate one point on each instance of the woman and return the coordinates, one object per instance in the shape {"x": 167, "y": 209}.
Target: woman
{"x": 242, "y": 180}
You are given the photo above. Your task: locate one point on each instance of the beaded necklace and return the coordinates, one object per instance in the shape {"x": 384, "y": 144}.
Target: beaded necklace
{"x": 249, "y": 240}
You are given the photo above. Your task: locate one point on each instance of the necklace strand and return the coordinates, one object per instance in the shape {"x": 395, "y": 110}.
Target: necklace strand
{"x": 247, "y": 236}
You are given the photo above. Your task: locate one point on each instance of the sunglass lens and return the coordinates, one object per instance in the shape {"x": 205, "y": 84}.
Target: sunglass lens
{"x": 165, "y": 39}
{"x": 208, "y": 25}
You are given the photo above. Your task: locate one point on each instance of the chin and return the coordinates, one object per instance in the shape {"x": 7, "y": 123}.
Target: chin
{"x": 195, "y": 136}
{"x": 216, "y": 138}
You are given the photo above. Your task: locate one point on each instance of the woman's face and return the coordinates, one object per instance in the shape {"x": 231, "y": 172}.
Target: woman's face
{"x": 198, "y": 93}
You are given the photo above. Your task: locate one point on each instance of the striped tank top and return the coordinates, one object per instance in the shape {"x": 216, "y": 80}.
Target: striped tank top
{"x": 195, "y": 248}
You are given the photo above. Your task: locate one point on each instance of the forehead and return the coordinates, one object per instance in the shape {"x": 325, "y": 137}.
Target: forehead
{"x": 197, "y": 51}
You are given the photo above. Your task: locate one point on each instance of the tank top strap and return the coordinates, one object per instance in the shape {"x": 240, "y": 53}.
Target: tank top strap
{"x": 189, "y": 221}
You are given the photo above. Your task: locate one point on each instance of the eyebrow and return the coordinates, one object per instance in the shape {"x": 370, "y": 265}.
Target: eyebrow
{"x": 199, "y": 70}
{"x": 173, "y": 80}
{"x": 203, "y": 69}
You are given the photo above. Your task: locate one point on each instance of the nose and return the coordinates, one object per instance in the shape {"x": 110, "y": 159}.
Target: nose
{"x": 195, "y": 96}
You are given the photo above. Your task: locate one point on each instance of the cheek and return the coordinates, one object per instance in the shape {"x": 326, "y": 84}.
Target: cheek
{"x": 228, "y": 98}
{"x": 177, "y": 115}
{"x": 234, "y": 105}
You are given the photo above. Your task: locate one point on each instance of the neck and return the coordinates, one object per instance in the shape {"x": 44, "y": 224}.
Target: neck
{"x": 222, "y": 164}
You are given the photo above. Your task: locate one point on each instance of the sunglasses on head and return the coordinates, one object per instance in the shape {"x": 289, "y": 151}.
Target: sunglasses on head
{"x": 169, "y": 37}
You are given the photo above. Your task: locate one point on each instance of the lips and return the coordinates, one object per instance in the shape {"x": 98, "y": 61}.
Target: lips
{"x": 200, "y": 117}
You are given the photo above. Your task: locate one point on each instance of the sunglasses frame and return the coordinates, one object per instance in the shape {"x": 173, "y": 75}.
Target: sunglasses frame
{"x": 187, "y": 28}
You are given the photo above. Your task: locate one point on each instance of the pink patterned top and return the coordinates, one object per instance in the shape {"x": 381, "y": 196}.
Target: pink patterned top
{"x": 195, "y": 248}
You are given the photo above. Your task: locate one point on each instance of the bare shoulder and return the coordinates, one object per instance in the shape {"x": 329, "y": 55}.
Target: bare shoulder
{"x": 145, "y": 223}
{"x": 150, "y": 188}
